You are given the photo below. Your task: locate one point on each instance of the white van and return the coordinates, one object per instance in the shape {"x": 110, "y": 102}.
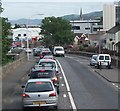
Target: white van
{"x": 103, "y": 60}
{"x": 58, "y": 51}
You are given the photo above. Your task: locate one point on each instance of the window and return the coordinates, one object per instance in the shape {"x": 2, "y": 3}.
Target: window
{"x": 19, "y": 35}
{"x": 87, "y": 28}
{"x": 101, "y": 58}
{"x": 24, "y": 34}
{"x": 39, "y": 87}
{"x": 107, "y": 58}
{"x": 76, "y": 28}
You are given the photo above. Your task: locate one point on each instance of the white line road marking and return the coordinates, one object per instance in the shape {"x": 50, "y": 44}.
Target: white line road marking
{"x": 62, "y": 85}
{"x": 60, "y": 77}
{"x": 113, "y": 84}
{"x": 116, "y": 86}
{"x": 64, "y": 95}
{"x": 68, "y": 88}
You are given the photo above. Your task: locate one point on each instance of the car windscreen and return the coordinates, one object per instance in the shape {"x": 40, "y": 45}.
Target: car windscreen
{"x": 42, "y": 74}
{"x": 38, "y": 87}
{"x": 48, "y": 63}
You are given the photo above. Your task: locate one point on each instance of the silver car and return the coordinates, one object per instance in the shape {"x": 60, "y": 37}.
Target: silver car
{"x": 39, "y": 93}
{"x": 93, "y": 61}
{"x": 48, "y": 62}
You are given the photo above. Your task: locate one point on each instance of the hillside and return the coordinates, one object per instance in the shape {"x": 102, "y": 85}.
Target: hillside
{"x": 88, "y": 16}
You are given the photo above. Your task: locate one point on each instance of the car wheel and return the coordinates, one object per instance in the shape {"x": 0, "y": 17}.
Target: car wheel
{"x": 24, "y": 109}
{"x": 55, "y": 107}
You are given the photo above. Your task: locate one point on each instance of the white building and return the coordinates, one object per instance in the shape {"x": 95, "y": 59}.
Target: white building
{"x": 24, "y": 33}
{"x": 111, "y": 24}
{"x": 85, "y": 26}
{"x": 111, "y": 15}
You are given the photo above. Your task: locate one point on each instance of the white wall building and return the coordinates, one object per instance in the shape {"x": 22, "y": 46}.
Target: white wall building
{"x": 111, "y": 15}
{"x": 85, "y": 26}
{"x": 111, "y": 24}
{"x": 24, "y": 33}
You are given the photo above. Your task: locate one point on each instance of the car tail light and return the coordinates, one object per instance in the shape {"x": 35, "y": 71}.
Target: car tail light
{"x": 41, "y": 56}
{"x": 25, "y": 95}
{"x": 52, "y": 94}
{"x": 54, "y": 79}
{"x": 42, "y": 70}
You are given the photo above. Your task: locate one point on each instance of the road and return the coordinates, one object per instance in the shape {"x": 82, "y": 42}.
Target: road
{"x": 80, "y": 87}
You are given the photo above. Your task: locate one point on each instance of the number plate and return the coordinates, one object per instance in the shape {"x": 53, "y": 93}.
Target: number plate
{"x": 104, "y": 63}
{"x": 39, "y": 102}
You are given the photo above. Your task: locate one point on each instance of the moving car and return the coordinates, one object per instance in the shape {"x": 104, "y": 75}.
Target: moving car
{"x": 39, "y": 93}
{"x": 103, "y": 60}
{"x": 44, "y": 53}
{"x": 58, "y": 51}
{"x": 46, "y": 72}
{"x": 52, "y": 62}
{"x": 49, "y": 57}
{"x": 93, "y": 60}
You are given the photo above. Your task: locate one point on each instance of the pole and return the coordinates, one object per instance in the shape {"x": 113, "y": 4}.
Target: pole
{"x": 99, "y": 41}
{"x": 27, "y": 35}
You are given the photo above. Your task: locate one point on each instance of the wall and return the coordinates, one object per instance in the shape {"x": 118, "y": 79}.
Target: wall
{"x": 11, "y": 66}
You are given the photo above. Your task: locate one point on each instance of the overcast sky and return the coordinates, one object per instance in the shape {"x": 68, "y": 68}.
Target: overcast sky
{"x": 14, "y": 9}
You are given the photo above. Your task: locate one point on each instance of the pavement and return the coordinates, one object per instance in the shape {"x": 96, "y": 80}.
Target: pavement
{"x": 111, "y": 75}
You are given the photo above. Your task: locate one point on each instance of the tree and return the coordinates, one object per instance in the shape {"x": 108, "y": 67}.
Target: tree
{"x": 57, "y": 31}
{"x": 5, "y": 41}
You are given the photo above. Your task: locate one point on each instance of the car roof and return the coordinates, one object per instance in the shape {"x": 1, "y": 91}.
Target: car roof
{"x": 39, "y": 80}
{"x": 104, "y": 54}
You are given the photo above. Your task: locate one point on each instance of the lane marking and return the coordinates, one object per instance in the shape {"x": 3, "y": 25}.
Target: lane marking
{"x": 113, "y": 84}
{"x": 116, "y": 86}
{"x": 68, "y": 88}
{"x": 64, "y": 95}
{"x": 60, "y": 77}
{"x": 62, "y": 85}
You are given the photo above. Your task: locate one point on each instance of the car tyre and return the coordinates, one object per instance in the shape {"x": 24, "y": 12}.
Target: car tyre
{"x": 55, "y": 107}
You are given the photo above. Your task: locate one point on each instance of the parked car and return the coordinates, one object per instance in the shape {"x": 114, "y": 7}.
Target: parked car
{"x": 93, "y": 60}
{"x": 58, "y": 51}
{"x": 103, "y": 60}
{"x": 39, "y": 93}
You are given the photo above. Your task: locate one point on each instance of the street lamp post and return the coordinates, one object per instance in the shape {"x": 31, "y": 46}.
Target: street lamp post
{"x": 27, "y": 34}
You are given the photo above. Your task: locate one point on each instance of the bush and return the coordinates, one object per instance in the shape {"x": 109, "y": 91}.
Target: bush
{"x": 81, "y": 48}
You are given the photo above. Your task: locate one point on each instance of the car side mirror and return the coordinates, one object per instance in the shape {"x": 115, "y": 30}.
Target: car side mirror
{"x": 22, "y": 86}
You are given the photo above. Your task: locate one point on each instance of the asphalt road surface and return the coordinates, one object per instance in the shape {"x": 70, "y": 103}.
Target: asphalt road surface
{"x": 80, "y": 88}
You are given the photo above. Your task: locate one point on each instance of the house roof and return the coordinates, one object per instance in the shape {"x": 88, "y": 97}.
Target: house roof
{"x": 114, "y": 29}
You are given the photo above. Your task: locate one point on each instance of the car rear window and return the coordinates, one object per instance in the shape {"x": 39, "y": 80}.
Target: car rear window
{"x": 101, "y": 58}
{"x": 42, "y": 74}
{"x": 48, "y": 63}
{"x": 107, "y": 58}
{"x": 46, "y": 53}
{"x": 39, "y": 87}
